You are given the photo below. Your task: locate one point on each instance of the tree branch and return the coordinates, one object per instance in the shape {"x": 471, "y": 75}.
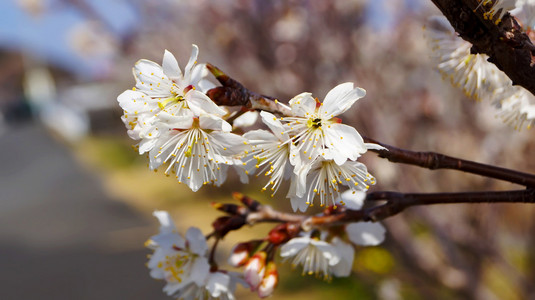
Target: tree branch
{"x": 433, "y": 161}
{"x": 397, "y": 202}
{"x": 507, "y": 46}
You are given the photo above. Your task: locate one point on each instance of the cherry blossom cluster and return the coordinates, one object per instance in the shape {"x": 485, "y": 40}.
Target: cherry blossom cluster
{"x": 191, "y": 136}
{"x": 478, "y": 78}
{"x": 187, "y": 134}
{"x": 191, "y": 272}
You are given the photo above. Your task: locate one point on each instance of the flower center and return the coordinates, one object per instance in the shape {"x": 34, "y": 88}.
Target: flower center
{"x": 314, "y": 123}
{"x": 173, "y": 100}
{"x": 175, "y": 266}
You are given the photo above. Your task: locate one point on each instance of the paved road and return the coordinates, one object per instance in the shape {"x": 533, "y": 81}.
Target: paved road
{"x": 61, "y": 237}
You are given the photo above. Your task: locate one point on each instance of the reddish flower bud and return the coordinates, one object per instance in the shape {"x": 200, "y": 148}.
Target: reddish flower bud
{"x": 240, "y": 254}
{"x": 223, "y": 225}
{"x": 255, "y": 270}
{"x": 269, "y": 282}
{"x": 282, "y": 233}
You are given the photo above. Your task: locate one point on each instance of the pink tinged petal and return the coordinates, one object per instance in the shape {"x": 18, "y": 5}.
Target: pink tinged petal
{"x": 303, "y": 104}
{"x": 353, "y": 199}
{"x": 366, "y": 233}
{"x": 192, "y": 59}
{"x": 170, "y": 65}
{"x": 269, "y": 282}
{"x": 196, "y": 241}
{"x": 199, "y": 271}
{"x": 254, "y": 270}
{"x": 200, "y": 103}
{"x": 275, "y": 125}
{"x": 218, "y": 284}
{"x": 347, "y": 254}
{"x": 267, "y": 286}
{"x": 239, "y": 255}
{"x": 340, "y": 99}
{"x": 212, "y": 122}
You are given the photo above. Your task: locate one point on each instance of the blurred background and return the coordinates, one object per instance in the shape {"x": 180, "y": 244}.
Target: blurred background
{"x": 76, "y": 200}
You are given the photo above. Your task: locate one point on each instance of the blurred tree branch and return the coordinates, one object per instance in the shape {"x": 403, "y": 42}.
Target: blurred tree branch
{"x": 507, "y": 46}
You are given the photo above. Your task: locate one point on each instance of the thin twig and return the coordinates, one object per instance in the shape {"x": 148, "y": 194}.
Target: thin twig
{"x": 433, "y": 161}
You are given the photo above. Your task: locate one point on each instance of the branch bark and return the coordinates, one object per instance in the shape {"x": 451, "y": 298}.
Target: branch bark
{"x": 433, "y": 161}
{"x": 507, "y": 46}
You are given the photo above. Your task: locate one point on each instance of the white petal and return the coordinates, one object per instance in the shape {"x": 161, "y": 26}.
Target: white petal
{"x": 196, "y": 241}
{"x": 347, "y": 254}
{"x": 228, "y": 144}
{"x": 340, "y": 99}
{"x": 299, "y": 203}
{"x": 199, "y": 271}
{"x": 218, "y": 284}
{"x": 274, "y": 124}
{"x": 192, "y": 59}
{"x": 344, "y": 140}
{"x": 292, "y": 247}
{"x": 372, "y": 146}
{"x": 207, "y": 121}
{"x": 166, "y": 223}
{"x": 170, "y": 65}
{"x": 328, "y": 251}
{"x": 247, "y": 119}
{"x": 200, "y": 103}
{"x": 353, "y": 199}
{"x": 303, "y": 104}
{"x": 366, "y": 233}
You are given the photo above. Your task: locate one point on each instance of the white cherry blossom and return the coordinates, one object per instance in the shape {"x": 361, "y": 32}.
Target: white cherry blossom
{"x": 497, "y": 9}
{"x": 325, "y": 178}
{"x": 315, "y": 129}
{"x": 163, "y": 93}
{"x": 180, "y": 262}
{"x": 197, "y": 150}
{"x": 317, "y": 257}
{"x": 470, "y": 72}
{"x": 270, "y": 152}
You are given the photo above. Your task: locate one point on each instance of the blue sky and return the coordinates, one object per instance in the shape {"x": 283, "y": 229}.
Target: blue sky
{"x": 45, "y": 36}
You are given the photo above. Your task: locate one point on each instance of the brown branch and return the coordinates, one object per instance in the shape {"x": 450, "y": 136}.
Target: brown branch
{"x": 433, "y": 161}
{"x": 507, "y": 46}
{"x": 397, "y": 202}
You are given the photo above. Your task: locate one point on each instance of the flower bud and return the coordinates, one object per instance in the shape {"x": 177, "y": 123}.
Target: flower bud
{"x": 223, "y": 225}
{"x": 269, "y": 282}
{"x": 282, "y": 233}
{"x": 240, "y": 254}
{"x": 255, "y": 269}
